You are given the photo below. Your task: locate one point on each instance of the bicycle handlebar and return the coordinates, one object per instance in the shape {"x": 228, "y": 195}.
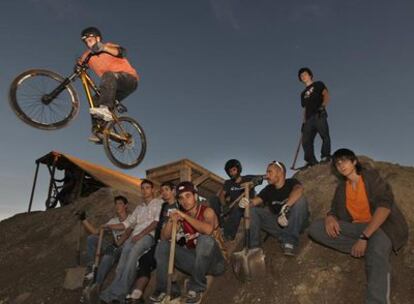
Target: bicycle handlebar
{"x": 84, "y": 63}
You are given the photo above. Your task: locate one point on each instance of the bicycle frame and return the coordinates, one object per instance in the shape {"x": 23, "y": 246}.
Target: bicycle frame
{"x": 88, "y": 84}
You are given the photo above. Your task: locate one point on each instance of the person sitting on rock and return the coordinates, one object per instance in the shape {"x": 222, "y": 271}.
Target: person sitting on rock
{"x": 285, "y": 212}
{"x": 203, "y": 250}
{"x": 147, "y": 262}
{"x": 144, "y": 219}
{"x": 363, "y": 221}
{"x": 110, "y": 251}
{"x": 232, "y": 189}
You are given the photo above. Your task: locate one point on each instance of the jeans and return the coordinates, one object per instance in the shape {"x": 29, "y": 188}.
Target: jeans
{"x": 126, "y": 270}
{"x": 263, "y": 219}
{"x": 115, "y": 86}
{"x": 205, "y": 259}
{"x": 377, "y": 255}
{"x": 315, "y": 124}
{"x": 231, "y": 225}
{"x": 110, "y": 254}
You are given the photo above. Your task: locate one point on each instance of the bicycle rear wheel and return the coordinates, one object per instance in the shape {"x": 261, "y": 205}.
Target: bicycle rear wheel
{"x": 124, "y": 142}
{"x": 28, "y": 99}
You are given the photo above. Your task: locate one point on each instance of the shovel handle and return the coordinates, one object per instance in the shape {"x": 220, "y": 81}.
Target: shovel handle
{"x": 247, "y": 209}
{"x": 78, "y": 253}
{"x": 234, "y": 203}
{"x": 172, "y": 255}
{"x": 247, "y": 217}
{"x": 99, "y": 247}
{"x": 296, "y": 153}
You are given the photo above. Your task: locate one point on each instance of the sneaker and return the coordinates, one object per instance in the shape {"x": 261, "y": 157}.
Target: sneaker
{"x": 325, "y": 159}
{"x": 192, "y": 297}
{"x": 133, "y": 296}
{"x": 288, "y": 249}
{"x": 102, "y": 112}
{"x": 158, "y": 297}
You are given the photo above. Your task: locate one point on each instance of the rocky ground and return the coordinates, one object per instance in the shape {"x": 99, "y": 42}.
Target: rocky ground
{"x": 36, "y": 250}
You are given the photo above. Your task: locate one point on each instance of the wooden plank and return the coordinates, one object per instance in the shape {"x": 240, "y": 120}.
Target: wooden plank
{"x": 199, "y": 180}
{"x": 164, "y": 171}
{"x": 185, "y": 174}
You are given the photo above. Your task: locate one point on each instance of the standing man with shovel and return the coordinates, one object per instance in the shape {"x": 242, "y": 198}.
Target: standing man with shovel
{"x": 314, "y": 100}
{"x": 202, "y": 253}
{"x": 285, "y": 213}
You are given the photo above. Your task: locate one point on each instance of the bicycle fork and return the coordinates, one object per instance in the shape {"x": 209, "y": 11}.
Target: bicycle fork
{"x": 48, "y": 98}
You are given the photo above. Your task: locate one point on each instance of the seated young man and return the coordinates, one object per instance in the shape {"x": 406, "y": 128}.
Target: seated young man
{"x": 147, "y": 262}
{"x": 202, "y": 253}
{"x": 232, "y": 189}
{"x": 285, "y": 214}
{"x": 363, "y": 221}
{"x": 144, "y": 219}
{"x": 110, "y": 251}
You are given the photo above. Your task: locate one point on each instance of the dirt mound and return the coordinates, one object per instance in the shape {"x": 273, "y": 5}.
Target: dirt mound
{"x": 320, "y": 275}
{"x": 37, "y": 248}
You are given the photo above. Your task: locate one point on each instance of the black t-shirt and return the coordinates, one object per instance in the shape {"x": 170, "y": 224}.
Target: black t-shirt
{"x": 234, "y": 190}
{"x": 163, "y": 217}
{"x": 311, "y": 98}
{"x": 273, "y": 197}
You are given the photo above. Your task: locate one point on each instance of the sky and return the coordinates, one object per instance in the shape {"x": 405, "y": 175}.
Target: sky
{"x": 218, "y": 80}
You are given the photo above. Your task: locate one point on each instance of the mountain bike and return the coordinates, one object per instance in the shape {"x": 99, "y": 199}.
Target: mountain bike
{"x": 45, "y": 100}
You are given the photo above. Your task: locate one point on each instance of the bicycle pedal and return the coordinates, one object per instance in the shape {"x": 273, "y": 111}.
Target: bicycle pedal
{"x": 121, "y": 108}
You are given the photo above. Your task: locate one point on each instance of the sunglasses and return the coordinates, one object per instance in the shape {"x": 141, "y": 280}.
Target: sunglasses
{"x": 278, "y": 164}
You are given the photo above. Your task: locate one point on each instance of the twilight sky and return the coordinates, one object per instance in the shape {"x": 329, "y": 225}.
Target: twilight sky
{"x": 218, "y": 79}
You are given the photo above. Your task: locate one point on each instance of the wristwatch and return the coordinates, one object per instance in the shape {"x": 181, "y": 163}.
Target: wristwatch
{"x": 362, "y": 236}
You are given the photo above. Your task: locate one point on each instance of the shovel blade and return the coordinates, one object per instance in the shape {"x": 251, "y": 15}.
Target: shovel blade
{"x": 248, "y": 264}
{"x": 74, "y": 278}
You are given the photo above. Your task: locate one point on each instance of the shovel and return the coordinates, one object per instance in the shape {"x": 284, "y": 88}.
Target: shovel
{"x": 168, "y": 299}
{"x": 293, "y": 167}
{"x": 248, "y": 263}
{"x": 89, "y": 293}
{"x": 97, "y": 255}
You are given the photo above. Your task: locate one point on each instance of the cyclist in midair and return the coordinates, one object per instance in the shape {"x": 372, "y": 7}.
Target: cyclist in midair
{"x": 118, "y": 78}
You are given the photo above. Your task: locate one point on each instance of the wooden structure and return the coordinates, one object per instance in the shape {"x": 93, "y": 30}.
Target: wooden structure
{"x": 208, "y": 183}
{"x": 88, "y": 177}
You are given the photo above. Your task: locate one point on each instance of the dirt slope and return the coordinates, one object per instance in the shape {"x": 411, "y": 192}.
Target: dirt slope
{"x": 319, "y": 275}
{"x": 36, "y": 249}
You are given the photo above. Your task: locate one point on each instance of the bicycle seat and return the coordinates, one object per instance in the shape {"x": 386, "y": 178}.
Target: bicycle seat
{"x": 120, "y": 107}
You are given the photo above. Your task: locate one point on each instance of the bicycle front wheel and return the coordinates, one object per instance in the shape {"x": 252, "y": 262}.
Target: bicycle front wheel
{"x": 31, "y": 99}
{"x": 124, "y": 142}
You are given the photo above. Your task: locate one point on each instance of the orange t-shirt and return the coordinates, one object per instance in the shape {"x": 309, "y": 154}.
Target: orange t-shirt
{"x": 357, "y": 202}
{"x": 105, "y": 62}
